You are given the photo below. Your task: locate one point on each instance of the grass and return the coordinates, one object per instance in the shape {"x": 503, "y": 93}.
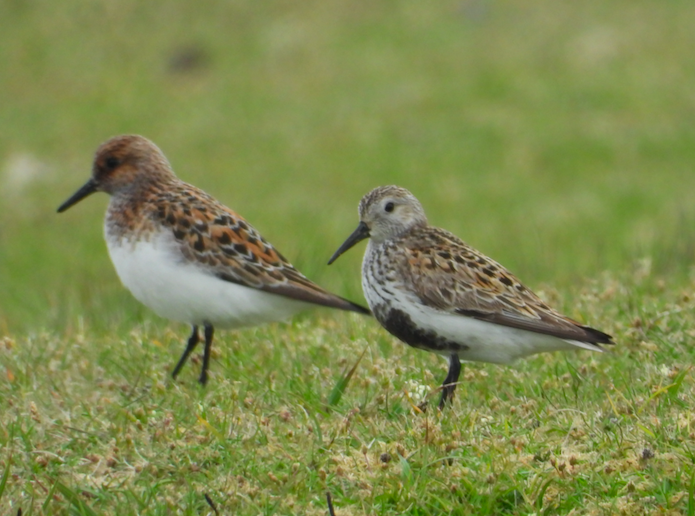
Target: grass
{"x": 597, "y": 434}
{"x": 555, "y": 137}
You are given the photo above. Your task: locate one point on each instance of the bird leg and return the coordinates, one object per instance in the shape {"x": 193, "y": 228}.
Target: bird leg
{"x": 452, "y": 377}
{"x": 192, "y": 342}
{"x": 209, "y": 332}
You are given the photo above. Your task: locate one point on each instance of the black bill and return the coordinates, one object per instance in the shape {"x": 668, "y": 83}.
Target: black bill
{"x": 358, "y": 235}
{"x": 89, "y": 188}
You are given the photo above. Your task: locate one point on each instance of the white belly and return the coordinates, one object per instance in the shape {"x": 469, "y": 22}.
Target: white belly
{"x": 489, "y": 342}
{"x": 159, "y": 276}
{"x": 482, "y": 341}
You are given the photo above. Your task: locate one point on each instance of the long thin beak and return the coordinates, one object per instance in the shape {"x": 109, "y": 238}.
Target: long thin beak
{"x": 89, "y": 188}
{"x": 358, "y": 235}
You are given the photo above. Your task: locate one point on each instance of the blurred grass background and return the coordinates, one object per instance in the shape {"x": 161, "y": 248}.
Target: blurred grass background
{"x": 556, "y": 137}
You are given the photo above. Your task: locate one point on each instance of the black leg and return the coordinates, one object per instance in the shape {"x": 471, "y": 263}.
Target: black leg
{"x": 209, "y": 332}
{"x": 192, "y": 342}
{"x": 452, "y": 377}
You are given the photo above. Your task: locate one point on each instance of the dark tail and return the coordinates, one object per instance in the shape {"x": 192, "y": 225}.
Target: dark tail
{"x": 354, "y": 307}
{"x": 595, "y": 336}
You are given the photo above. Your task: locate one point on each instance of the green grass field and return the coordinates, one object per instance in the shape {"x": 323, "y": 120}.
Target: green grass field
{"x": 556, "y": 137}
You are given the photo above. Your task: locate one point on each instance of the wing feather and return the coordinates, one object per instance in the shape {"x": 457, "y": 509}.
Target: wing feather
{"x": 221, "y": 242}
{"x": 449, "y": 275}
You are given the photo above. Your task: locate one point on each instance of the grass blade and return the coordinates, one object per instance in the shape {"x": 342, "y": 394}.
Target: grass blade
{"x": 75, "y": 500}
{"x": 337, "y": 392}
{"x": 5, "y": 476}
{"x": 691, "y": 495}
{"x": 406, "y": 472}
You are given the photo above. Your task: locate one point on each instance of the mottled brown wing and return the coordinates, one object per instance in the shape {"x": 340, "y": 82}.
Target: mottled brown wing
{"x": 448, "y": 274}
{"x": 222, "y": 242}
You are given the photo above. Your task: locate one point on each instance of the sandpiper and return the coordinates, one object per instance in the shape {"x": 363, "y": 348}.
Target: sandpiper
{"x": 434, "y": 292}
{"x": 188, "y": 257}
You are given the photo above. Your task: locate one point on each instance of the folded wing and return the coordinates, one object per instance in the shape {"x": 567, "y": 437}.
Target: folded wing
{"x": 453, "y": 277}
{"x": 223, "y": 243}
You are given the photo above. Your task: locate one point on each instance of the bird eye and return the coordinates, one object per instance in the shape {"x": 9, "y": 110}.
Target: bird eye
{"x": 389, "y": 207}
{"x": 112, "y": 162}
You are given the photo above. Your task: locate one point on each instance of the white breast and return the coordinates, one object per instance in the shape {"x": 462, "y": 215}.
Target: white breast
{"x": 161, "y": 278}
